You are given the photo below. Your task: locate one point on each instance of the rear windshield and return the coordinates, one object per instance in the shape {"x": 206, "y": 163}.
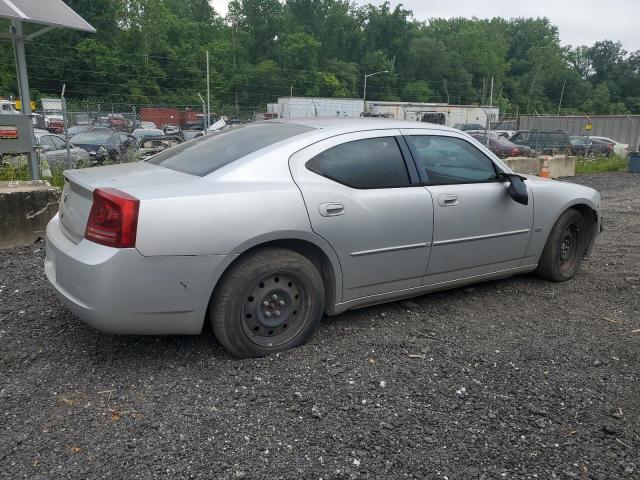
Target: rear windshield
{"x": 211, "y": 152}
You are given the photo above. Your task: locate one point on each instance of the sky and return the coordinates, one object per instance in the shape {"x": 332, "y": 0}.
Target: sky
{"x": 581, "y": 22}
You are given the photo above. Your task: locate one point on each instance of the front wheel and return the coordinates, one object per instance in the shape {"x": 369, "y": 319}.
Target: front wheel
{"x": 564, "y": 249}
{"x": 270, "y": 300}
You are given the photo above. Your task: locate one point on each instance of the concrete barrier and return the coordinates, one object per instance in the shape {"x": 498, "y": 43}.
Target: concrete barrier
{"x": 524, "y": 165}
{"x": 559, "y": 165}
{"x": 562, "y": 166}
{"x": 25, "y": 210}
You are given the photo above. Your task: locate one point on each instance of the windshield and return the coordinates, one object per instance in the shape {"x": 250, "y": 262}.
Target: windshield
{"x": 211, "y": 152}
{"x": 93, "y": 138}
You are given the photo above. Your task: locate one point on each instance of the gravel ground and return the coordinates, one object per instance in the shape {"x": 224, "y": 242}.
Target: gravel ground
{"x": 518, "y": 378}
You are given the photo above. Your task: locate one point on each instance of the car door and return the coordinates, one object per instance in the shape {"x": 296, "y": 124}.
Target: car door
{"x": 478, "y": 227}
{"x": 364, "y": 197}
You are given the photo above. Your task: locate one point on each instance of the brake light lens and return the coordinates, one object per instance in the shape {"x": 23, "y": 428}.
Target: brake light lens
{"x": 515, "y": 152}
{"x": 113, "y": 220}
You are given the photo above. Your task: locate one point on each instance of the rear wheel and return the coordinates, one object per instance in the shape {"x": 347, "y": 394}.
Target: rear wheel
{"x": 564, "y": 249}
{"x": 271, "y": 300}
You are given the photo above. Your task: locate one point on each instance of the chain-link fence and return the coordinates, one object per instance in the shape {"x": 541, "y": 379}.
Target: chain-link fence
{"x": 127, "y": 117}
{"x": 621, "y": 128}
{"x": 103, "y": 133}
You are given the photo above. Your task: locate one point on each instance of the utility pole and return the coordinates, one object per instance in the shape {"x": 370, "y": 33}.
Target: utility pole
{"x": 489, "y": 115}
{"x": 533, "y": 81}
{"x": 208, "y": 95}
{"x": 444, "y": 81}
{"x": 66, "y": 125}
{"x": 364, "y": 96}
{"x": 23, "y": 88}
{"x": 233, "y": 47}
{"x": 204, "y": 112}
{"x": 484, "y": 90}
{"x": 562, "y": 95}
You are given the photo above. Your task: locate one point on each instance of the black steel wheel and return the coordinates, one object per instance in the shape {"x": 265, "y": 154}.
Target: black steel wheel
{"x": 564, "y": 249}
{"x": 273, "y": 312}
{"x": 270, "y": 300}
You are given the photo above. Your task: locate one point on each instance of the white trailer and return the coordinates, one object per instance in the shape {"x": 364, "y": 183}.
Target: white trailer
{"x": 441, "y": 113}
{"x": 300, "y": 107}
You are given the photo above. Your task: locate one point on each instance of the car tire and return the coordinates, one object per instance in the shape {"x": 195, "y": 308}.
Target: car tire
{"x": 562, "y": 254}
{"x": 270, "y": 300}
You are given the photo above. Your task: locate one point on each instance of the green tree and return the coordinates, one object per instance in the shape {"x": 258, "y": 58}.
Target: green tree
{"x": 417, "y": 91}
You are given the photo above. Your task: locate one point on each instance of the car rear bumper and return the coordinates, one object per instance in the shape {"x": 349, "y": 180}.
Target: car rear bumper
{"x": 121, "y": 291}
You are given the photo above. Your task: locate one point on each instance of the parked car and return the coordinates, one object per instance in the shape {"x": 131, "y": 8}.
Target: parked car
{"x": 118, "y": 122}
{"x": 502, "y": 147}
{"x": 619, "y": 148}
{"x": 140, "y": 133}
{"x": 8, "y": 106}
{"x": 53, "y": 149}
{"x": 191, "y": 130}
{"x": 504, "y": 133}
{"x": 141, "y": 124}
{"x": 543, "y": 141}
{"x": 265, "y": 227}
{"x": 76, "y": 129}
{"x": 170, "y": 129}
{"x": 151, "y": 145}
{"x": 54, "y": 123}
{"x": 103, "y": 144}
{"x": 585, "y": 146}
{"x": 468, "y": 126}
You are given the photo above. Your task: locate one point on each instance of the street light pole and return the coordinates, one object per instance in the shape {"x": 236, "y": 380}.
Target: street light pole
{"x": 204, "y": 115}
{"x": 364, "y": 96}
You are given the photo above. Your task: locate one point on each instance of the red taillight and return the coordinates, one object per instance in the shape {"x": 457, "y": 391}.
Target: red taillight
{"x": 113, "y": 220}
{"x": 515, "y": 152}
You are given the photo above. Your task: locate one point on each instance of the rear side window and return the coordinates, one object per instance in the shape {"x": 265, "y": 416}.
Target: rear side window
{"x": 367, "y": 163}
{"x": 211, "y": 152}
{"x": 451, "y": 160}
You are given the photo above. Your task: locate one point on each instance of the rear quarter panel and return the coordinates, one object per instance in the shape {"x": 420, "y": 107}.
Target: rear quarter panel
{"x": 245, "y": 204}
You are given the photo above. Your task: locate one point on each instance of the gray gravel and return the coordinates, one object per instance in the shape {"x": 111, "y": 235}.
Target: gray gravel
{"x": 518, "y": 378}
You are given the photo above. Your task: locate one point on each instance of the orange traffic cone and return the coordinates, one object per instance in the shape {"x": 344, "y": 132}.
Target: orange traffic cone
{"x": 544, "y": 171}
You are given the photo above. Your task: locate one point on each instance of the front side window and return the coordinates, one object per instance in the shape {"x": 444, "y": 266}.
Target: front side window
{"x": 451, "y": 160}
{"x": 367, "y": 163}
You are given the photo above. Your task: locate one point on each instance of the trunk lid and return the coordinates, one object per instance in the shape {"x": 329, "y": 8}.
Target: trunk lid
{"x": 77, "y": 194}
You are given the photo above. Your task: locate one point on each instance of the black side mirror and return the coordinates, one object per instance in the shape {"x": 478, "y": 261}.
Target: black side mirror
{"x": 517, "y": 188}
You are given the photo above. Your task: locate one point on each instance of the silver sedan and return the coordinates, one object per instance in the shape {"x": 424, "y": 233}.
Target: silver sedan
{"x": 263, "y": 228}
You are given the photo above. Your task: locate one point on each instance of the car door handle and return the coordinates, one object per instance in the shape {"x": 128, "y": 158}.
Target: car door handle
{"x": 331, "y": 209}
{"x": 448, "y": 200}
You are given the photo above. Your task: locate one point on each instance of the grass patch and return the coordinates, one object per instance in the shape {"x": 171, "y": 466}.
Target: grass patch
{"x": 600, "y": 163}
{"x": 11, "y": 173}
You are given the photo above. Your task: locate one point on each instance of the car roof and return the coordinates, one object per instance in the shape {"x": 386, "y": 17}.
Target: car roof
{"x": 346, "y": 125}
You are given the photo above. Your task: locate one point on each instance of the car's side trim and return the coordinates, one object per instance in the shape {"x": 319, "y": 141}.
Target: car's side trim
{"x": 362, "y": 253}
{"x": 481, "y": 237}
{"x": 414, "y": 291}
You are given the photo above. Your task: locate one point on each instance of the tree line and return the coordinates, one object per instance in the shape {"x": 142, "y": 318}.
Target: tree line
{"x": 152, "y": 52}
